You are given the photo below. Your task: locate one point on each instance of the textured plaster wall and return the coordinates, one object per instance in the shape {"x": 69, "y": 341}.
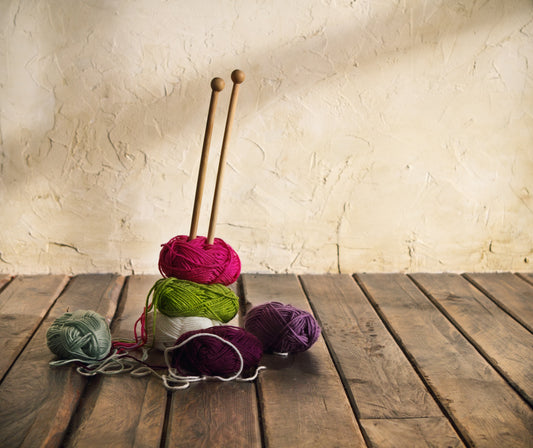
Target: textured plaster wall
{"x": 369, "y": 136}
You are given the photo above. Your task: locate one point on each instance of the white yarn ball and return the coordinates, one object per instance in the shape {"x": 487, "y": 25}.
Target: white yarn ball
{"x": 169, "y": 329}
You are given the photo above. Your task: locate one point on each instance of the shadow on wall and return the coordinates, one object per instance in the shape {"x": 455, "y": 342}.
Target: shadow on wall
{"x": 121, "y": 86}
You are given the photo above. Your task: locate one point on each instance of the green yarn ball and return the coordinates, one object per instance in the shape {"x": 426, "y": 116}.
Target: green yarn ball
{"x": 181, "y": 298}
{"x": 80, "y": 335}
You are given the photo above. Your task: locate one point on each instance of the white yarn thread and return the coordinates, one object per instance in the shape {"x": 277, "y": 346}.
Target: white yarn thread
{"x": 117, "y": 363}
{"x": 169, "y": 329}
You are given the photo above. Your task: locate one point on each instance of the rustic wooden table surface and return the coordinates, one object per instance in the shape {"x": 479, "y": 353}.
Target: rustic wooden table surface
{"x": 403, "y": 361}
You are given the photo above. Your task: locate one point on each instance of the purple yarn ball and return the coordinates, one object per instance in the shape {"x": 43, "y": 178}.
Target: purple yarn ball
{"x": 205, "y": 355}
{"x": 282, "y": 328}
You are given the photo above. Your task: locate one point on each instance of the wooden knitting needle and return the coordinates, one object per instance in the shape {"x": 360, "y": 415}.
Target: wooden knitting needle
{"x": 217, "y": 84}
{"x": 237, "y": 76}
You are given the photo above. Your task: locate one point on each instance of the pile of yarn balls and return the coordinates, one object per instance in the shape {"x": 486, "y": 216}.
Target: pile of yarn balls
{"x": 193, "y": 299}
{"x": 186, "y": 314}
{"x": 179, "y": 306}
{"x": 182, "y": 309}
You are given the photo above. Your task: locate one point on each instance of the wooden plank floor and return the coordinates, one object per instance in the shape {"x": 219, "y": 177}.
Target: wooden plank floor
{"x": 437, "y": 360}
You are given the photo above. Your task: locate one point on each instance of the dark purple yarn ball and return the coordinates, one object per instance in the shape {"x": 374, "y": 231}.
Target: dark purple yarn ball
{"x": 282, "y": 328}
{"x": 206, "y": 355}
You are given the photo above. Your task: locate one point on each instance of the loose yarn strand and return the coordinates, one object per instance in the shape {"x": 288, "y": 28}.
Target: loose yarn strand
{"x": 140, "y": 338}
{"x": 181, "y": 384}
{"x": 253, "y": 377}
{"x": 118, "y": 363}
{"x": 167, "y": 382}
{"x": 112, "y": 365}
{"x": 139, "y": 329}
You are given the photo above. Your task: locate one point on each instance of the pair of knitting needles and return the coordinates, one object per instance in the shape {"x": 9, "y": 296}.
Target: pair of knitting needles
{"x": 217, "y": 85}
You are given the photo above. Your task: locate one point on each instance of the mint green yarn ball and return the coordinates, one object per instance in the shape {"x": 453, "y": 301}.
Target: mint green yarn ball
{"x": 81, "y": 335}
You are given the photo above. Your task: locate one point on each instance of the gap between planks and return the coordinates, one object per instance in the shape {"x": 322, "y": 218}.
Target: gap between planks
{"x": 480, "y": 402}
{"x": 394, "y": 406}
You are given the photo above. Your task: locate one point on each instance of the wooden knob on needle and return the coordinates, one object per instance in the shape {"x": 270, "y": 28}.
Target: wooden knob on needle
{"x": 218, "y": 84}
{"x": 237, "y": 76}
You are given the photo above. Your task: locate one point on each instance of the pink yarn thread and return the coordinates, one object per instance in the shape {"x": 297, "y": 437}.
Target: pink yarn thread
{"x": 206, "y": 355}
{"x": 199, "y": 262}
{"x": 140, "y": 334}
{"x": 282, "y": 328}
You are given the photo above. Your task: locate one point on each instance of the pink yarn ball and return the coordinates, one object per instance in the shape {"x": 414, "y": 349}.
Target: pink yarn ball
{"x": 199, "y": 262}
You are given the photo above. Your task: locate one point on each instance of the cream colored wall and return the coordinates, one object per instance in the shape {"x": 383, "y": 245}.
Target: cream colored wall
{"x": 369, "y": 136}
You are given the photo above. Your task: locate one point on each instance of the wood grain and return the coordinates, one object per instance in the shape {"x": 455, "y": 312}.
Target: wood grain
{"x": 302, "y": 397}
{"x": 485, "y": 409}
{"x": 214, "y": 414}
{"x": 505, "y": 343}
{"x": 381, "y": 379}
{"x": 38, "y": 400}
{"x": 394, "y": 406}
{"x": 125, "y": 411}
{"x": 23, "y": 305}
{"x": 510, "y": 292}
{"x": 411, "y": 432}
